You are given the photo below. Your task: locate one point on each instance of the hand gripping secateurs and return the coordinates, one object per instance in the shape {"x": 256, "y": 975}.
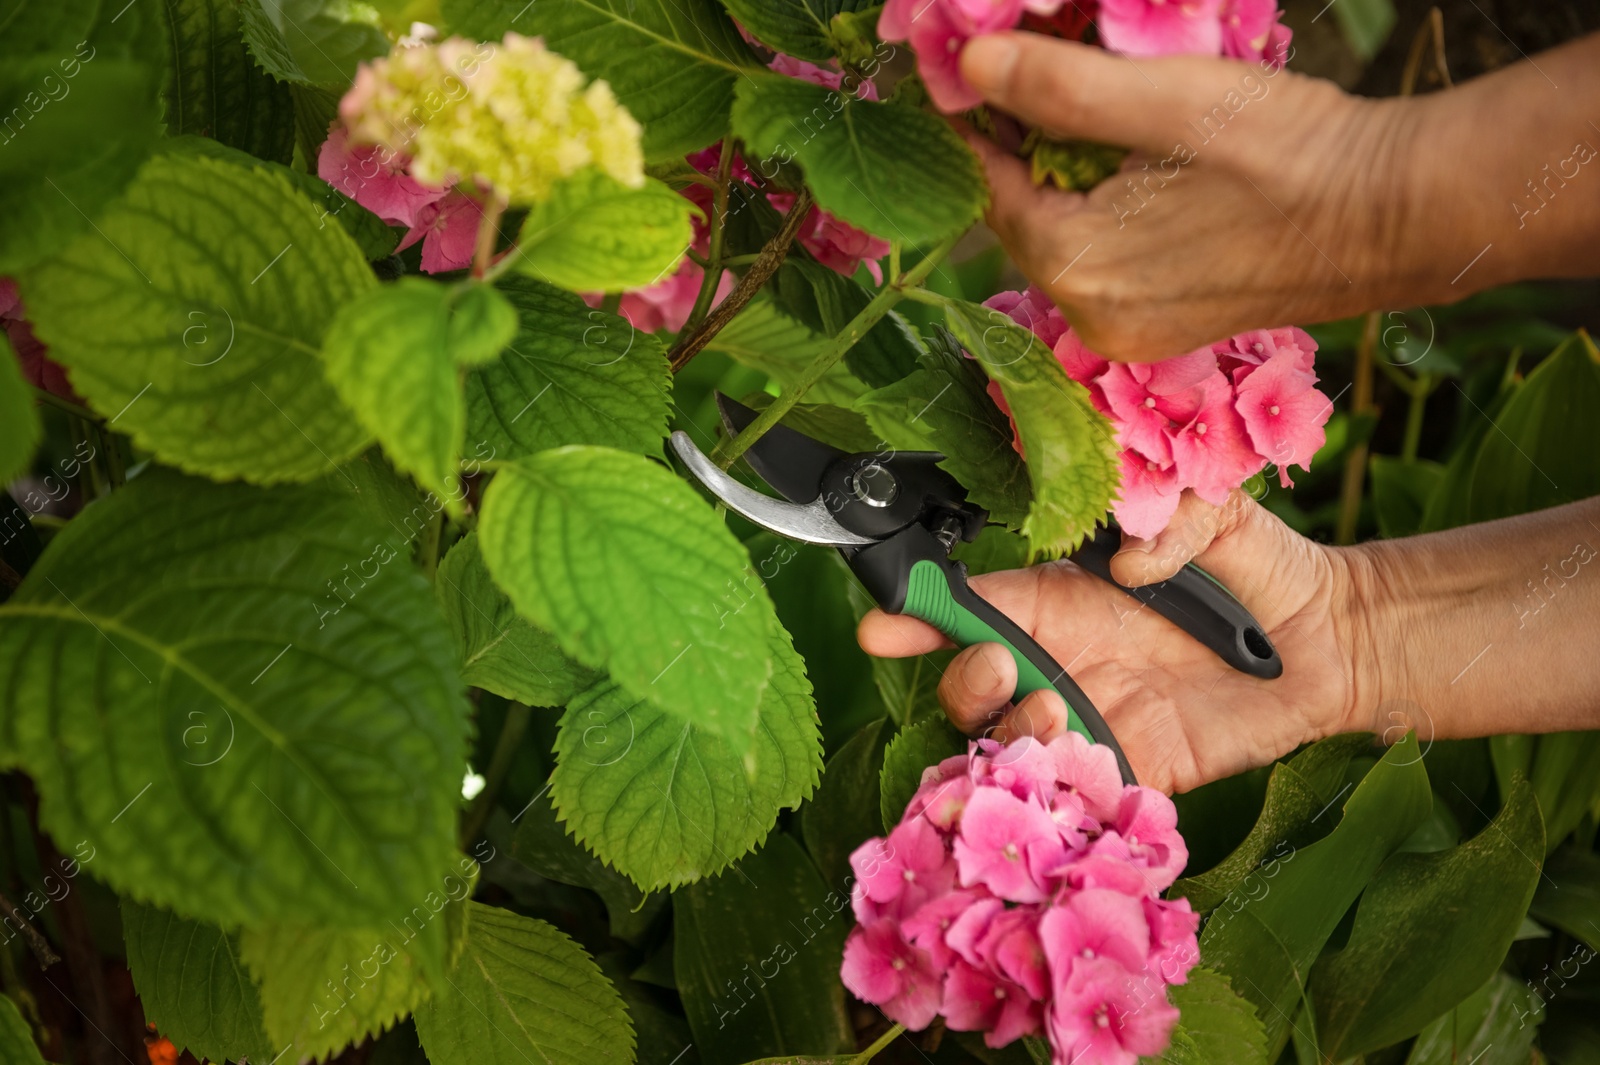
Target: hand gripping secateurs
{"x": 895, "y": 516}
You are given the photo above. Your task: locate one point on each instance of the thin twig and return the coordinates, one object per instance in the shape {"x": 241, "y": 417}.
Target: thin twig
{"x": 760, "y": 272}
{"x": 36, "y": 940}
{"x": 715, "y": 225}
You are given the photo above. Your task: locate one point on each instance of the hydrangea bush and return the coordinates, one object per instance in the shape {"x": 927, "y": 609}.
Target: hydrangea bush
{"x": 347, "y": 339}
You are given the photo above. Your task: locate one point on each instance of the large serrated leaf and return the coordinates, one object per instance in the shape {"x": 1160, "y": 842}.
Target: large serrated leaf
{"x": 500, "y": 650}
{"x": 192, "y": 318}
{"x": 32, "y": 28}
{"x": 672, "y": 63}
{"x": 80, "y": 119}
{"x": 844, "y": 812}
{"x": 1215, "y": 1025}
{"x": 192, "y": 985}
{"x": 214, "y": 88}
{"x": 242, "y": 699}
{"x": 773, "y": 915}
{"x": 795, "y": 27}
{"x": 16, "y": 1038}
{"x": 20, "y": 430}
{"x": 635, "y": 575}
{"x": 324, "y": 988}
{"x": 887, "y": 168}
{"x": 312, "y": 42}
{"x": 1266, "y": 948}
{"x": 825, "y": 302}
{"x": 913, "y": 750}
{"x": 571, "y": 375}
{"x": 665, "y": 801}
{"x": 945, "y": 406}
{"x": 764, "y": 338}
{"x": 1429, "y": 930}
{"x": 595, "y": 234}
{"x": 1068, "y": 445}
{"x": 387, "y": 353}
{"x": 523, "y": 992}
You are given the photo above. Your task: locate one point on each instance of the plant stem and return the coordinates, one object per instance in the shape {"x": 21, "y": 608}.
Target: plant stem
{"x": 1355, "y": 463}
{"x": 1420, "y": 390}
{"x": 488, "y": 229}
{"x": 36, "y": 940}
{"x": 505, "y": 748}
{"x": 713, "y": 261}
{"x": 882, "y": 1041}
{"x": 691, "y": 341}
{"x": 429, "y": 547}
{"x": 894, "y": 259}
{"x": 51, "y": 399}
{"x": 880, "y": 305}
{"x": 612, "y": 301}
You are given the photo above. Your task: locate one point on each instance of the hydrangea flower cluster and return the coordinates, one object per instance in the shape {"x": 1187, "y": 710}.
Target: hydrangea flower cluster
{"x": 426, "y": 135}
{"x": 1020, "y": 895}
{"x": 835, "y": 244}
{"x": 1208, "y": 420}
{"x": 938, "y": 29}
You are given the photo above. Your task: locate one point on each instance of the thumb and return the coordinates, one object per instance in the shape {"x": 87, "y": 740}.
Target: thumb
{"x": 1074, "y": 90}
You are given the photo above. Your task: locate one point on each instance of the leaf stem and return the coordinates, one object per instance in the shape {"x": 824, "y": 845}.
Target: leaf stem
{"x": 505, "y": 749}
{"x": 429, "y": 547}
{"x": 488, "y": 229}
{"x": 37, "y": 943}
{"x": 53, "y": 400}
{"x": 713, "y": 261}
{"x": 691, "y": 341}
{"x": 882, "y": 1041}
{"x": 1355, "y": 463}
{"x": 890, "y": 294}
{"x": 1419, "y": 393}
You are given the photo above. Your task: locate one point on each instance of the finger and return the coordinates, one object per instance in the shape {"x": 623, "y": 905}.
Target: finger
{"x": 885, "y": 635}
{"x": 1042, "y": 715}
{"x": 978, "y": 682}
{"x": 1016, "y": 204}
{"x": 1074, "y": 90}
{"x": 1190, "y": 531}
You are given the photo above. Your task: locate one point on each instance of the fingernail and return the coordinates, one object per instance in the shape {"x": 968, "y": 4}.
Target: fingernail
{"x": 987, "y": 61}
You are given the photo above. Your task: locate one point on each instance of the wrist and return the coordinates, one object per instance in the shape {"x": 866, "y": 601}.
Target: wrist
{"x": 1372, "y": 641}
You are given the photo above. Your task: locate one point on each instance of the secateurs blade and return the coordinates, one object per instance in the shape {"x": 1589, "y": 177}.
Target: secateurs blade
{"x": 895, "y": 516}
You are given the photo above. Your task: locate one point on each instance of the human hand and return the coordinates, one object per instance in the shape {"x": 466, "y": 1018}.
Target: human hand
{"x": 1182, "y": 716}
{"x": 1252, "y": 198}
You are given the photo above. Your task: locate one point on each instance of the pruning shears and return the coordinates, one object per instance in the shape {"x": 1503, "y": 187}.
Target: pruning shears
{"x": 895, "y": 516}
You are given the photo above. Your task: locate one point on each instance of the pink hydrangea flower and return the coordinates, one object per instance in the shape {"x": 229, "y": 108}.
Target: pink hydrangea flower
{"x": 1030, "y": 906}
{"x": 937, "y": 31}
{"x": 1161, "y": 27}
{"x": 1195, "y": 421}
{"x": 375, "y": 178}
{"x": 448, "y": 230}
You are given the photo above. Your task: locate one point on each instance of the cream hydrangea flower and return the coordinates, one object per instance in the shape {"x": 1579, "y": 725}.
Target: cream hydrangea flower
{"x": 513, "y": 117}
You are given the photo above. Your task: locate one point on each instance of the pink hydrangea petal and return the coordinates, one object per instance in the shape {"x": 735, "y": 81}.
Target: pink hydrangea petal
{"x": 1245, "y": 26}
{"x": 375, "y": 178}
{"x": 1089, "y": 770}
{"x": 450, "y": 232}
{"x": 1213, "y": 452}
{"x": 880, "y": 967}
{"x": 1002, "y": 840}
{"x": 966, "y": 933}
{"x": 1283, "y": 412}
{"x": 1106, "y": 1014}
{"x": 1161, "y": 27}
{"x": 1148, "y": 496}
{"x": 1174, "y": 948}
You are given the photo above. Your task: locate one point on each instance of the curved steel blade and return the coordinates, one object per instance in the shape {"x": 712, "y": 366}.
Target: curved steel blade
{"x": 810, "y": 523}
{"x": 788, "y": 460}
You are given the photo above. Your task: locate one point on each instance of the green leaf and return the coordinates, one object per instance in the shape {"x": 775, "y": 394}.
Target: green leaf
{"x": 1299, "y": 792}
{"x": 266, "y": 720}
{"x": 1538, "y": 456}
{"x": 595, "y": 234}
{"x": 1400, "y": 492}
{"x": 825, "y": 303}
{"x": 215, "y": 89}
{"x": 666, "y": 802}
{"x": 482, "y": 323}
{"x": 571, "y": 375}
{"x": 661, "y": 1030}
{"x": 633, "y": 572}
{"x": 1071, "y": 456}
{"x": 1563, "y": 774}
{"x": 889, "y": 169}
{"x": 1366, "y": 24}
{"x": 764, "y": 338}
{"x": 371, "y": 233}
{"x": 1215, "y": 1025}
{"x": 20, "y": 431}
{"x": 79, "y": 122}
{"x": 325, "y": 988}
{"x": 1487, "y": 1028}
{"x": 193, "y": 318}
{"x": 945, "y": 406}
{"x": 844, "y": 812}
{"x": 672, "y": 63}
{"x": 192, "y": 985}
{"x": 33, "y": 27}
{"x": 799, "y": 28}
{"x": 523, "y": 992}
{"x": 16, "y": 1038}
{"x": 312, "y": 42}
{"x": 773, "y": 917}
{"x": 927, "y": 743}
{"x": 388, "y": 354}
{"x": 839, "y": 426}
{"x": 1430, "y": 929}
{"x": 500, "y": 651}
{"x": 1266, "y": 947}
{"x": 1568, "y": 897}
{"x": 545, "y": 847}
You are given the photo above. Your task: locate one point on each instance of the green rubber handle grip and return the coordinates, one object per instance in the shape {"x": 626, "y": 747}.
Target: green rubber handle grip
{"x": 929, "y": 597}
